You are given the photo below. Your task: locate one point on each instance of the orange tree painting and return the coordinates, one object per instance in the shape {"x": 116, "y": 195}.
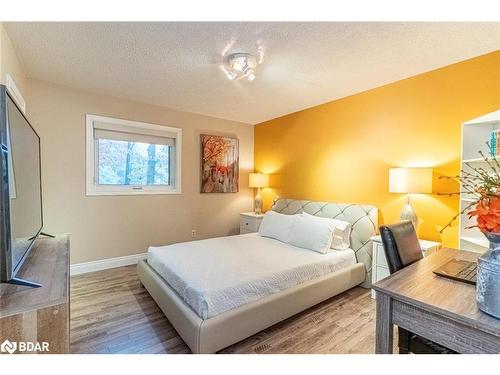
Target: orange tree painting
{"x": 219, "y": 164}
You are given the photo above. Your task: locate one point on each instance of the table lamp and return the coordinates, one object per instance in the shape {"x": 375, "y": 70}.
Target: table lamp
{"x": 410, "y": 181}
{"x": 258, "y": 180}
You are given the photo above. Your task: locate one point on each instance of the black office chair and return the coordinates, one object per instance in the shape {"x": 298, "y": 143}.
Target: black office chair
{"x": 401, "y": 249}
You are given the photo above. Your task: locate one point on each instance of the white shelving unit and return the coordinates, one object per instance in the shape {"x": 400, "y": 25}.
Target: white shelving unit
{"x": 475, "y": 133}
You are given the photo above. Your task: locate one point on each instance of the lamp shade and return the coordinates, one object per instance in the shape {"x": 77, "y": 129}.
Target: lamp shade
{"x": 410, "y": 180}
{"x": 258, "y": 180}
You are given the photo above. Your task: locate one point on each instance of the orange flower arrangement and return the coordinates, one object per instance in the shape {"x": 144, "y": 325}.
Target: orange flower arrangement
{"x": 488, "y": 214}
{"x": 483, "y": 186}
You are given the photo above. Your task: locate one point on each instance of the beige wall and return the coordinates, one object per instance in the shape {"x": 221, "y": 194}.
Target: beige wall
{"x": 9, "y": 64}
{"x": 110, "y": 226}
{"x": 105, "y": 227}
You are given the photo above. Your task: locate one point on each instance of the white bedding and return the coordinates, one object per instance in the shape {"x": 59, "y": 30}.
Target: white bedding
{"x": 219, "y": 274}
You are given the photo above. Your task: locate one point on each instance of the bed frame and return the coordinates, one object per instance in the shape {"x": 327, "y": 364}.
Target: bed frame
{"x": 220, "y": 331}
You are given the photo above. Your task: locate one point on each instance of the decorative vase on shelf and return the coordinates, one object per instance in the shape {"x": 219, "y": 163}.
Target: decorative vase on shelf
{"x": 488, "y": 277}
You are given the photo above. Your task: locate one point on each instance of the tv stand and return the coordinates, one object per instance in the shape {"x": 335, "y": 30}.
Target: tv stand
{"x": 39, "y": 315}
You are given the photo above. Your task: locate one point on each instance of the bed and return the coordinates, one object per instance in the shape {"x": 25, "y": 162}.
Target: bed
{"x": 237, "y": 286}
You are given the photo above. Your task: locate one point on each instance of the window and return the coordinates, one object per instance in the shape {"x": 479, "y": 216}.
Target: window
{"x": 128, "y": 157}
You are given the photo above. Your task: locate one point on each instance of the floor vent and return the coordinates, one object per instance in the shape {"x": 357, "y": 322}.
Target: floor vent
{"x": 262, "y": 348}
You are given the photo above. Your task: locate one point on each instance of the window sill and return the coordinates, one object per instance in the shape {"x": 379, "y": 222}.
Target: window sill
{"x": 91, "y": 193}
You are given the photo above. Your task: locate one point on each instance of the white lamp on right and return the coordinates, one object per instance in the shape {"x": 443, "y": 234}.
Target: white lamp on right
{"x": 410, "y": 181}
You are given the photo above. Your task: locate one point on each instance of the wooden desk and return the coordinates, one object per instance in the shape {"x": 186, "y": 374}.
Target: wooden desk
{"x": 439, "y": 309}
{"x": 39, "y": 314}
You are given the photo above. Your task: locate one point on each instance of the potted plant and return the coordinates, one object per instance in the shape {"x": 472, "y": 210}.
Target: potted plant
{"x": 483, "y": 186}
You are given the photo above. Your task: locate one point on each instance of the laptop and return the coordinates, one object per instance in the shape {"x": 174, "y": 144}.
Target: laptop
{"x": 460, "y": 270}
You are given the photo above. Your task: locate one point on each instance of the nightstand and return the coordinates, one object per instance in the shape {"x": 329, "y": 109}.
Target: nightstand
{"x": 250, "y": 222}
{"x": 380, "y": 269}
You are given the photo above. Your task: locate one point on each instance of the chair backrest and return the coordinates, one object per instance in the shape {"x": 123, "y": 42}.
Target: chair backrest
{"x": 401, "y": 245}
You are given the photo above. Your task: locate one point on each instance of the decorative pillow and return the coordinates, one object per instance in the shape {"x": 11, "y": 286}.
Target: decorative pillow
{"x": 341, "y": 239}
{"x": 276, "y": 225}
{"x": 341, "y": 235}
{"x": 312, "y": 232}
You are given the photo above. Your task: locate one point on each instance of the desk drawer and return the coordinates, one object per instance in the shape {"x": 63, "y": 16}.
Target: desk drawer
{"x": 465, "y": 339}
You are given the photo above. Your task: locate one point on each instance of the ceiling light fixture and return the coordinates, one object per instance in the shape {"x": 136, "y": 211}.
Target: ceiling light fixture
{"x": 240, "y": 65}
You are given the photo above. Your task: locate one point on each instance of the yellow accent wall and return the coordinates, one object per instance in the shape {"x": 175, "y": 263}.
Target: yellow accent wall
{"x": 341, "y": 151}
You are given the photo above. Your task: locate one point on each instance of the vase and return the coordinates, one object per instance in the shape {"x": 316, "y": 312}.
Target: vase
{"x": 488, "y": 277}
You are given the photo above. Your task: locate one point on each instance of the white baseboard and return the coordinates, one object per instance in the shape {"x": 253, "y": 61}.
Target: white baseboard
{"x": 104, "y": 264}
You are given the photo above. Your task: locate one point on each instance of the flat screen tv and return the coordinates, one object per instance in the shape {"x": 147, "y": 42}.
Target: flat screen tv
{"x": 20, "y": 189}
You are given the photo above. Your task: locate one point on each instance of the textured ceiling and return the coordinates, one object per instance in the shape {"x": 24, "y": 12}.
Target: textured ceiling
{"x": 177, "y": 65}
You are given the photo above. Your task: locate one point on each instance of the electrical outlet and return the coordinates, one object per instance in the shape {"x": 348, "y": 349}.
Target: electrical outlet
{"x": 193, "y": 233}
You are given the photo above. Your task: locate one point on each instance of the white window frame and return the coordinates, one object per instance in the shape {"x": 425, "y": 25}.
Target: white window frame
{"x": 91, "y": 161}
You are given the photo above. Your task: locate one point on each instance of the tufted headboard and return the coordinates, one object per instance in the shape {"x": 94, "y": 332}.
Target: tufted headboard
{"x": 363, "y": 219}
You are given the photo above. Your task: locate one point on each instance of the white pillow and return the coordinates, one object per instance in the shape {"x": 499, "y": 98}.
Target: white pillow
{"x": 314, "y": 232}
{"x": 276, "y": 225}
{"x": 341, "y": 239}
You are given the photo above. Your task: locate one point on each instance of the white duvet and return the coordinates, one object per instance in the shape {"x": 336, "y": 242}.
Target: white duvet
{"x": 219, "y": 274}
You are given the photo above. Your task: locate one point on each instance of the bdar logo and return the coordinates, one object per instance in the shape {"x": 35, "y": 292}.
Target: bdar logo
{"x": 9, "y": 347}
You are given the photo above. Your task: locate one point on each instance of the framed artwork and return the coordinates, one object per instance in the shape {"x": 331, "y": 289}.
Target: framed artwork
{"x": 219, "y": 164}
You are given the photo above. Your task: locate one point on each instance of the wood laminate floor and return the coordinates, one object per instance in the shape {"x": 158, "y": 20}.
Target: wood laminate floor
{"x": 112, "y": 313}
